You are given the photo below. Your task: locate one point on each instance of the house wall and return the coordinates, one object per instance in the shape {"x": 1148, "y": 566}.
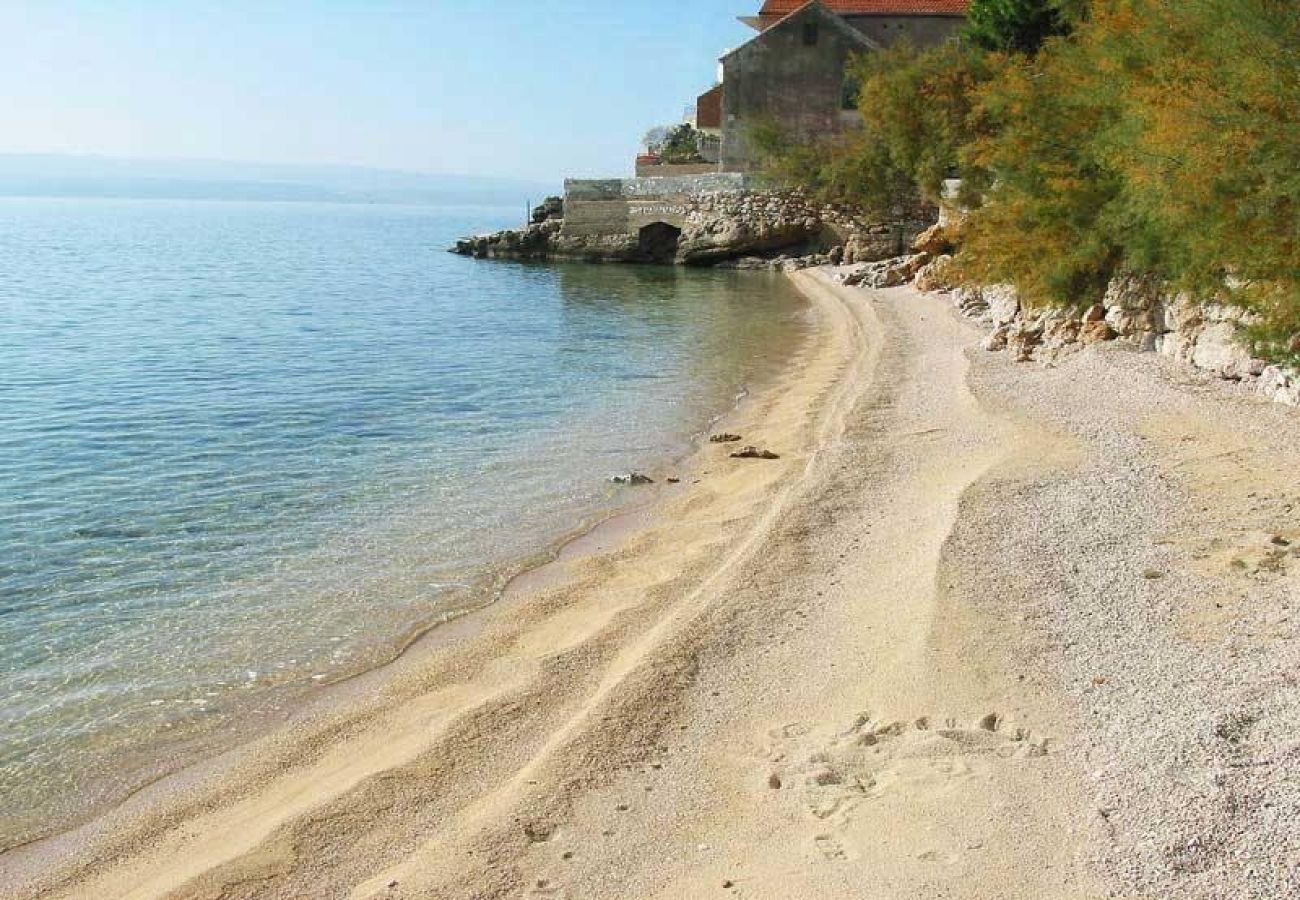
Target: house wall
{"x": 921, "y": 31}
{"x": 776, "y": 76}
{"x": 708, "y": 110}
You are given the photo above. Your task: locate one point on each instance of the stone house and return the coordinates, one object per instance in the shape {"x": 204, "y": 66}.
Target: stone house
{"x": 793, "y": 72}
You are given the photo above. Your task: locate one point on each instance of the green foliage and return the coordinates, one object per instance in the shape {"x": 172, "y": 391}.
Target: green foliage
{"x": 679, "y": 144}
{"x": 1015, "y": 26}
{"x": 1162, "y": 137}
{"x": 1049, "y": 224}
{"x": 915, "y": 108}
{"x": 1156, "y": 135}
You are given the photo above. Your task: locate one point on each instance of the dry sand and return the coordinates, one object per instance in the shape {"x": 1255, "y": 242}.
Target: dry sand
{"x": 982, "y": 631}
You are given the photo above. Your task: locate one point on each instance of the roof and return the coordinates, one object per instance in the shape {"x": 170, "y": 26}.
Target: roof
{"x": 803, "y": 9}
{"x": 873, "y": 7}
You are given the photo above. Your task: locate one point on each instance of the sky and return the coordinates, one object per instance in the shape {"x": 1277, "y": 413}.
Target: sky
{"x": 537, "y": 89}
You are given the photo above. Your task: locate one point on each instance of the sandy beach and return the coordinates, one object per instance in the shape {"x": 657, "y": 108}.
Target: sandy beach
{"x": 982, "y": 630}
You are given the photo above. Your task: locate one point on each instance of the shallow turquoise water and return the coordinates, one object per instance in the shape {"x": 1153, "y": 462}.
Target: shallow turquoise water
{"x": 247, "y": 448}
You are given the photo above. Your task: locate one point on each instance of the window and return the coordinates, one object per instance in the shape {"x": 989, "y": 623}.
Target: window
{"x": 810, "y": 34}
{"x": 852, "y": 90}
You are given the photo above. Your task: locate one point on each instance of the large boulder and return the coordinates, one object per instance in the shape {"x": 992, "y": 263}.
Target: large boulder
{"x": 1218, "y": 349}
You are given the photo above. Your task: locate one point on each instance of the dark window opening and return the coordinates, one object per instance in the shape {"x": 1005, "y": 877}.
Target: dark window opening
{"x": 851, "y": 92}
{"x": 810, "y": 34}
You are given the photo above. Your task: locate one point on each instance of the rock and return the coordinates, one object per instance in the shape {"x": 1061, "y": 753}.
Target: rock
{"x": 534, "y": 242}
{"x": 1022, "y": 338}
{"x": 873, "y": 245}
{"x": 746, "y": 263}
{"x": 1060, "y": 328}
{"x": 634, "y": 478}
{"x": 936, "y": 275}
{"x": 551, "y": 208}
{"x": 725, "y": 438}
{"x": 1095, "y": 331}
{"x": 970, "y": 302}
{"x": 934, "y": 241}
{"x": 1280, "y": 385}
{"x": 1218, "y": 350}
{"x": 886, "y": 273}
{"x": 1003, "y": 303}
{"x": 1094, "y": 313}
{"x": 997, "y": 341}
{"x": 754, "y": 453}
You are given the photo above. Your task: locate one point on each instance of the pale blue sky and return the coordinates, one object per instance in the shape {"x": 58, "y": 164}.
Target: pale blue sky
{"x": 533, "y": 88}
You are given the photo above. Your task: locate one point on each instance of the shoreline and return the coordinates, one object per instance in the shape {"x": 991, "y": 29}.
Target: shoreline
{"x": 252, "y": 718}
{"x": 983, "y": 630}
{"x": 519, "y": 580}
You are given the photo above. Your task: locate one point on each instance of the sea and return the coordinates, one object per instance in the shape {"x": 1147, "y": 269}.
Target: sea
{"x": 248, "y": 449}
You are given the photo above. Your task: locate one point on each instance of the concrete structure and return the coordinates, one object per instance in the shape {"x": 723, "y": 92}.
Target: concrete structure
{"x": 629, "y": 206}
{"x": 793, "y": 73}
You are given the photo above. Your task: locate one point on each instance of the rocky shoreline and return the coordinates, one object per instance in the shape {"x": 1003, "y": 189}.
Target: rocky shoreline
{"x": 1138, "y": 311}
{"x": 773, "y": 229}
{"x": 786, "y": 231}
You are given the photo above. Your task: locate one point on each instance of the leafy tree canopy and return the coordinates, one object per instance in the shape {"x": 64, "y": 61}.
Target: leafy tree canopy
{"x": 1015, "y": 26}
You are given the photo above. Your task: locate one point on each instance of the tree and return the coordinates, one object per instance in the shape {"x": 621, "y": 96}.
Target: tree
{"x": 676, "y": 144}
{"x": 1015, "y": 26}
{"x": 655, "y": 137}
{"x": 915, "y": 106}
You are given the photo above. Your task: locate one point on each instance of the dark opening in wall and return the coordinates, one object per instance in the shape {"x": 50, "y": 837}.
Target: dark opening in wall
{"x": 810, "y": 34}
{"x": 658, "y": 242}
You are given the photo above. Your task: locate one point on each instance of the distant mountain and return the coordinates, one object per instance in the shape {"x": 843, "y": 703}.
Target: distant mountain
{"x": 94, "y": 176}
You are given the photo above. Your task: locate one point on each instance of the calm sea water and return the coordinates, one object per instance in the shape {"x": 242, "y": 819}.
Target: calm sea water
{"x": 249, "y": 448}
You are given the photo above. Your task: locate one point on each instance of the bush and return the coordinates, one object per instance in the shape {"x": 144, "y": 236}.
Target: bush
{"x": 1161, "y": 137}
{"x": 677, "y": 145}
{"x": 915, "y": 106}
{"x": 1015, "y": 26}
{"x": 1158, "y": 135}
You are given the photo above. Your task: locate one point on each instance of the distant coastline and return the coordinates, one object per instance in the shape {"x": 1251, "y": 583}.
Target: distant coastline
{"x": 112, "y": 178}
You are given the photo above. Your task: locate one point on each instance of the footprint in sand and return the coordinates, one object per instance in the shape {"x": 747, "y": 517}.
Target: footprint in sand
{"x": 830, "y": 848}
{"x": 543, "y": 887}
{"x": 871, "y": 758}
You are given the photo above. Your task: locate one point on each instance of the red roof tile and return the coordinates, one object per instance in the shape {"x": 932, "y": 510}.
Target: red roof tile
{"x": 873, "y": 7}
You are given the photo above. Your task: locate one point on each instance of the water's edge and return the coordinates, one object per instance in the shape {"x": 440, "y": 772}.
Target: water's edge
{"x": 196, "y": 757}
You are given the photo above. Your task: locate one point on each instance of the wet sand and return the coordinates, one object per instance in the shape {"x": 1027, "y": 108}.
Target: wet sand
{"x": 854, "y": 671}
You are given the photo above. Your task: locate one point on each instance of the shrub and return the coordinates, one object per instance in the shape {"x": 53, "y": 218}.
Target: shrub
{"x": 914, "y": 105}
{"x": 1015, "y": 26}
